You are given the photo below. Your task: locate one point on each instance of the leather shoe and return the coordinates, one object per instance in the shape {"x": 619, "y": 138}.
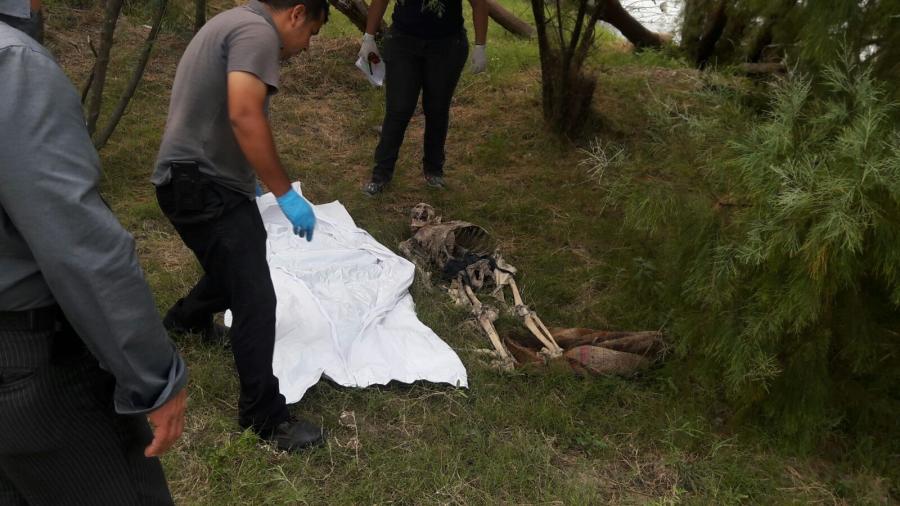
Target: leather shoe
{"x": 211, "y": 333}
{"x": 294, "y": 435}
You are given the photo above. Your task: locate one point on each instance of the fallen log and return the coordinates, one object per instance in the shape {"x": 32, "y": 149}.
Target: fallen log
{"x": 509, "y": 21}
{"x": 631, "y": 28}
{"x": 357, "y": 11}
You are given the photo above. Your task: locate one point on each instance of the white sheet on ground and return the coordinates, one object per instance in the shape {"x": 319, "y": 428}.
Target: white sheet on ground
{"x": 344, "y": 309}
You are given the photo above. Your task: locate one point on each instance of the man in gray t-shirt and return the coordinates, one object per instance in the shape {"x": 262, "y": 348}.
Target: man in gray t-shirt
{"x": 216, "y": 143}
{"x": 243, "y": 39}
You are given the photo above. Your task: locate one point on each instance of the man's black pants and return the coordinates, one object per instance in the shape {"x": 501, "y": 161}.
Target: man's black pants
{"x": 225, "y": 231}
{"x": 415, "y": 65}
{"x": 61, "y": 441}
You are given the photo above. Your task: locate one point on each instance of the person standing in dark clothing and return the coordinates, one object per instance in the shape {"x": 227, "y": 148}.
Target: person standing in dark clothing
{"x": 217, "y": 141}
{"x": 84, "y": 359}
{"x": 426, "y": 49}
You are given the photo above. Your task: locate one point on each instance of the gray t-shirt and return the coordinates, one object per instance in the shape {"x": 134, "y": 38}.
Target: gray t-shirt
{"x": 198, "y": 127}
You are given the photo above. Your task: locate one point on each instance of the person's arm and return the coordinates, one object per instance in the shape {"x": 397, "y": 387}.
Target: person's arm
{"x": 368, "y": 50}
{"x": 246, "y": 110}
{"x": 49, "y": 174}
{"x": 376, "y": 14}
{"x": 252, "y": 73}
{"x": 480, "y": 21}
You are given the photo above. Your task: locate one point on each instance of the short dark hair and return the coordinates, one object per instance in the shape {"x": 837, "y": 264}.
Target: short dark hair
{"x": 316, "y": 8}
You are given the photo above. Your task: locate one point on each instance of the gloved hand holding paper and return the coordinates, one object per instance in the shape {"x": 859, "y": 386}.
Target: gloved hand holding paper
{"x": 370, "y": 62}
{"x": 373, "y": 71}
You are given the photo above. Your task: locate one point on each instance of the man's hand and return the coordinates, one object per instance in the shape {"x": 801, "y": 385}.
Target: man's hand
{"x": 479, "y": 59}
{"x": 167, "y": 422}
{"x": 299, "y": 213}
{"x": 368, "y": 51}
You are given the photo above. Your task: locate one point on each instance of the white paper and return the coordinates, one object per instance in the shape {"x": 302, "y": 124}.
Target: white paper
{"x": 376, "y": 75}
{"x": 344, "y": 309}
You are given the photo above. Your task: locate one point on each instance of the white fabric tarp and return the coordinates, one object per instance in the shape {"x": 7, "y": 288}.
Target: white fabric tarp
{"x": 344, "y": 309}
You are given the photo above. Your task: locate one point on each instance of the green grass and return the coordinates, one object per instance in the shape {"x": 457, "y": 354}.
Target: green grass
{"x": 532, "y": 437}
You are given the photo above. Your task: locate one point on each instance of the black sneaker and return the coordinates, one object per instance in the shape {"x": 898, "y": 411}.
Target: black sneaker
{"x": 435, "y": 182}
{"x": 294, "y": 435}
{"x": 373, "y": 188}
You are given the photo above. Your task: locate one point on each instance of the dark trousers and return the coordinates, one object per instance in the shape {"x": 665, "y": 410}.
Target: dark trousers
{"x": 61, "y": 441}
{"x": 416, "y": 65}
{"x": 228, "y": 237}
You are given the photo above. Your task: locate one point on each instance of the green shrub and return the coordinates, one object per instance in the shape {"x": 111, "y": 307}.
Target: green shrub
{"x": 782, "y": 265}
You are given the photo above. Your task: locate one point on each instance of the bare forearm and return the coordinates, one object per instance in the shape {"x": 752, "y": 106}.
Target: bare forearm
{"x": 480, "y": 20}
{"x": 255, "y": 138}
{"x": 376, "y": 14}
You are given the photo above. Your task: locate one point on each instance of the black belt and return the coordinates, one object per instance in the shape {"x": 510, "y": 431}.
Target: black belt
{"x": 42, "y": 319}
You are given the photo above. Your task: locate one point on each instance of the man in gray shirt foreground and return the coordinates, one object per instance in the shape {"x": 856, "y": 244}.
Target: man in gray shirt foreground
{"x": 217, "y": 141}
{"x": 84, "y": 358}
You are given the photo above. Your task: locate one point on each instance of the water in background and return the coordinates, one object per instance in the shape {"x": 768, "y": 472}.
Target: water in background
{"x": 657, "y": 15}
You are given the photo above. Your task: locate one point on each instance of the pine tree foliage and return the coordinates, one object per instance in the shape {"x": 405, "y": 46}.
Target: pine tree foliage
{"x": 810, "y": 32}
{"x": 785, "y": 263}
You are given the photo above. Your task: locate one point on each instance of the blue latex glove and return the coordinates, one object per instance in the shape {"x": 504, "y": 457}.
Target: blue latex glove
{"x": 299, "y": 213}
{"x": 259, "y": 192}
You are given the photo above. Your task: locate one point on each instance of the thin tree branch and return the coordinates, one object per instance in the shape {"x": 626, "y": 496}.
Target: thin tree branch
{"x": 113, "y": 8}
{"x": 136, "y": 76}
{"x": 576, "y": 32}
{"x": 90, "y": 79}
{"x": 559, "y": 26}
{"x": 588, "y": 39}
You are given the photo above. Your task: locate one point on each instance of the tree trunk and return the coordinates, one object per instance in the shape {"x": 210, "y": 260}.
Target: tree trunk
{"x": 761, "y": 42}
{"x": 509, "y": 21}
{"x": 715, "y": 26}
{"x": 113, "y": 8}
{"x": 136, "y": 76}
{"x": 567, "y": 92}
{"x": 760, "y": 46}
{"x": 357, "y": 11}
{"x": 199, "y": 14}
{"x": 632, "y": 29}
